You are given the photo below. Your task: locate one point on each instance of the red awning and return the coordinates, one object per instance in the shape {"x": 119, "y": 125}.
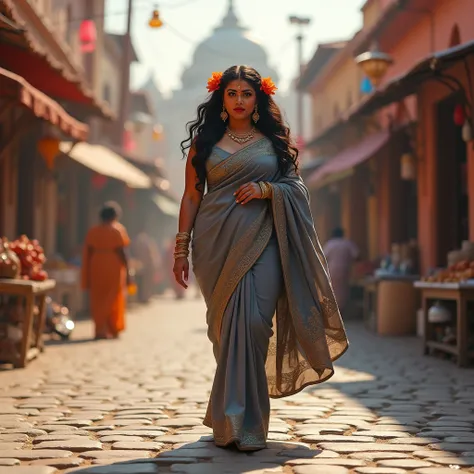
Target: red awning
{"x": 342, "y": 164}
{"x": 17, "y": 88}
{"x": 33, "y": 51}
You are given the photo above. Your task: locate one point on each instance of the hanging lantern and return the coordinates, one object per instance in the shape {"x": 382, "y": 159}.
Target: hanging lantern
{"x": 88, "y": 36}
{"x": 466, "y": 131}
{"x": 158, "y": 132}
{"x": 459, "y": 115}
{"x": 98, "y": 181}
{"x": 366, "y": 86}
{"x": 408, "y": 167}
{"x": 155, "y": 21}
{"x": 374, "y": 64}
{"x": 48, "y": 147}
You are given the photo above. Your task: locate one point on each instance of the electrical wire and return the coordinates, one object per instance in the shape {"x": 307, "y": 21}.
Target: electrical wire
{"x": 176, "y": 5}
{"x": 149, "y": 4}
{"x": 185, "y": 38}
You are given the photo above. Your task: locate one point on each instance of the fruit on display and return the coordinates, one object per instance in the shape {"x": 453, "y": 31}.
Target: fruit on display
{"x": 31, "y": 256}
{"x": 455, "y": 273}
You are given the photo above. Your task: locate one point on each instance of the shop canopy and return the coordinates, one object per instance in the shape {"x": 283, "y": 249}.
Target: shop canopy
{"x": 104, "y": 161}
{"x": 15, "y": 90}
{"x": 342, "y": 165}
{"x": 407, "y": 84}
{"x": 166, "y": 205}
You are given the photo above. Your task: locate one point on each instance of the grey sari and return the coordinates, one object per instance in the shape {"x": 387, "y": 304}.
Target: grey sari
{"x": 271, "y": 311}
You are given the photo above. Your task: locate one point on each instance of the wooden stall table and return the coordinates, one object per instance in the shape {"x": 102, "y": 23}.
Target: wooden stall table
{"x": 32, "y": 341}
{"x": 461, "y": 294}
{"x": 390, "y": 304}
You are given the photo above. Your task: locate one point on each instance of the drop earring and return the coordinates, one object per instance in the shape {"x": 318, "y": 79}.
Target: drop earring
{"x": 255, "y": 115}
{"x": 224, "y": 114}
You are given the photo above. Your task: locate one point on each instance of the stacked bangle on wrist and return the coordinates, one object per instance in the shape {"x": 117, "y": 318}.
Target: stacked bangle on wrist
{"x": 182, "y": 245}
{"x": 266, "y": 189}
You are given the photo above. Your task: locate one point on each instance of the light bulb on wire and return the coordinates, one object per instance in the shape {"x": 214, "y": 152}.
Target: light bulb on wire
{"x": 155, "y": 20}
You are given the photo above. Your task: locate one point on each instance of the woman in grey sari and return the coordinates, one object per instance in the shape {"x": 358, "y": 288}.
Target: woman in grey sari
{"x": 271, "y": 312}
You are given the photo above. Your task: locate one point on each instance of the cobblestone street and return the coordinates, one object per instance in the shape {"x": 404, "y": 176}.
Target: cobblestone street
{"x": 134, "y": 406}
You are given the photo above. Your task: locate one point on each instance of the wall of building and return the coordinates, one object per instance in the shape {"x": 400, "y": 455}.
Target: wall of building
{"x": 109, "y": 82}
{"x": 415, "y": 44}
{"x": 336, "y": 95}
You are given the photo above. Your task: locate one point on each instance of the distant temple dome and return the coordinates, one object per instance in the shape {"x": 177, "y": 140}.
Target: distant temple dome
{"x": 230, "y": 44}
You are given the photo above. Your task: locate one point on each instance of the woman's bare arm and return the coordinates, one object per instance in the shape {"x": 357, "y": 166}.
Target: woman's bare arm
{"x": 191, "y": 198}
{"x": 187, "y": 215}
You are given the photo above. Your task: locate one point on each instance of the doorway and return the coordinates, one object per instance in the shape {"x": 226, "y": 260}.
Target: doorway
{"x": 452, "y": 192}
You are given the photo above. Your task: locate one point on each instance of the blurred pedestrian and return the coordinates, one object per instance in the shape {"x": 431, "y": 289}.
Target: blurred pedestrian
{"x": 144, "y": 250}
{"x": 340, "y": 255}
{"x": 105, "y": 272}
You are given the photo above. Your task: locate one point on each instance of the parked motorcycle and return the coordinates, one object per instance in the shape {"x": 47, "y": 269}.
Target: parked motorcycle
{"x": 58, "y": 320}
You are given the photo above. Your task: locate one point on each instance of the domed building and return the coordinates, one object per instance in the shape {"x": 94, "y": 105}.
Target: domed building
{"x": 229, "y": 44}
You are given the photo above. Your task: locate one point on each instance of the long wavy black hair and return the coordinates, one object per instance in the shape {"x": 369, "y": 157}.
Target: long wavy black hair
{"x": 208, "y": 128}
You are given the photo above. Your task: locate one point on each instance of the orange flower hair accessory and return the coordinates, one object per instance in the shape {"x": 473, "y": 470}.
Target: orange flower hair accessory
{"x": 268, "y": 86}
{"x": 214, "y": 82}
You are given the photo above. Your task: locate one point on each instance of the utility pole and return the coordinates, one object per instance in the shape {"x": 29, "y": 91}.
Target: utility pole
{"x": 125, "y": 84}
{"x": 300, "y": 22}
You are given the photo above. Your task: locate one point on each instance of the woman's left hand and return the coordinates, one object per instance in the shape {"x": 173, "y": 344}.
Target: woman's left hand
{"x": 247, "y": 192}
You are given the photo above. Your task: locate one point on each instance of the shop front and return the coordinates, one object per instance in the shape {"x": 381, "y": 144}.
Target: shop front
{"x": 444, "y": 162}
{"x": 377, "y": 207}
{"x": 443, "y": 154}
{"x": 30, "y": 125}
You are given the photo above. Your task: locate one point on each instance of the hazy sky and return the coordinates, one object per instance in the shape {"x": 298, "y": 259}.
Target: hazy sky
{"x": 166, "y": 51}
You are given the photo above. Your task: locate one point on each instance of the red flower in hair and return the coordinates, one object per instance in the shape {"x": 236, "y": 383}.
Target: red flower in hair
{"x": 268, "y": 86}
{"x": 214, "y": 82}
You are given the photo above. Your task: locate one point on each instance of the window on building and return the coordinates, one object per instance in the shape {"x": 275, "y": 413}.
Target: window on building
{"x": 106, "y": 93}
{"x": 455, "y": 38}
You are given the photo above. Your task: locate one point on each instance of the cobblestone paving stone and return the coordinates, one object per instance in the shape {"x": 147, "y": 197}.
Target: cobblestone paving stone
{"x": 135, "y": 406}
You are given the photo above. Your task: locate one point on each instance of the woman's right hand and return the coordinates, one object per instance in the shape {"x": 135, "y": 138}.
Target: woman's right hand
{"x": 181, "y": 271}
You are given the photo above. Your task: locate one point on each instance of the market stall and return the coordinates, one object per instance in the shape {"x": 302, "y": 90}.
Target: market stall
{"x": 448, "y": 310}
{"x": 23, "y": 289}
{"x": 390, "y": 300}
{"x": 448, "y": 307}
{"x": 68, "y": 289}
{"x": 390, "y": 304}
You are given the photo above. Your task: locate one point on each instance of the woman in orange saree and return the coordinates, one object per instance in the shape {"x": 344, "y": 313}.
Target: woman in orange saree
{"x": 105, "y": 272}
{"x": 271, "y": 312}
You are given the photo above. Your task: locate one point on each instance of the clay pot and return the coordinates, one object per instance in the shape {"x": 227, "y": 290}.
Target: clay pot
{"x": 10, "y": 266}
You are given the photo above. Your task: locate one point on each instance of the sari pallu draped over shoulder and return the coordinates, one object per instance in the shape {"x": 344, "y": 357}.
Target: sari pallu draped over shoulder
{"x": 308, "y": 332}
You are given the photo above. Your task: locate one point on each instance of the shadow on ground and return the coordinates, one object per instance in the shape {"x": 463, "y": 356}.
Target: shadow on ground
{"x": 69, "y": 342}
{"x": 203, "y": 457}
{"x": 387, "y": 383}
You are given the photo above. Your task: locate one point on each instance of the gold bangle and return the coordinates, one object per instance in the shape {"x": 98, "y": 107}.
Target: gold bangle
{"x": 182, "y": 250}
{"x": 266, "y": 189}
{"x": 269, "y": 190}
